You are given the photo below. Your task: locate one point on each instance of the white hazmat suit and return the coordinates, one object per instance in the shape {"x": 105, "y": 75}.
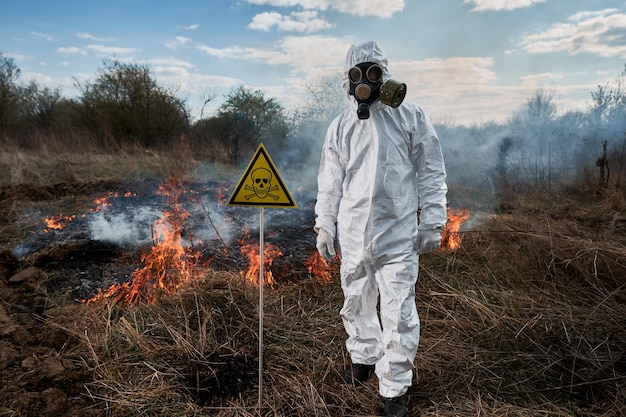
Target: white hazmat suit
{"x": 373, "y": 176}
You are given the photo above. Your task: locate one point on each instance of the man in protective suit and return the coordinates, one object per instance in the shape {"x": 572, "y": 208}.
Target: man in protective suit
{"x": 381, "y": 162}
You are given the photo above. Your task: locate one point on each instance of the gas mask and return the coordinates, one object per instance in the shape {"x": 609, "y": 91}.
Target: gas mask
{"x": 366, "y": 85}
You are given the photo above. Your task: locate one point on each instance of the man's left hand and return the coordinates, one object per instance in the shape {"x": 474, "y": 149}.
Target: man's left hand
{"x": 428, "y": 241}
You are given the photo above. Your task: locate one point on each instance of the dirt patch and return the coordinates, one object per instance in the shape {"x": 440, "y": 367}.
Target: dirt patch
{"x": 41, "y": 363}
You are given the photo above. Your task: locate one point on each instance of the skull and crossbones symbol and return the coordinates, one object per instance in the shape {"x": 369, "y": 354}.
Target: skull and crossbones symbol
{"x": 261, "y": 184}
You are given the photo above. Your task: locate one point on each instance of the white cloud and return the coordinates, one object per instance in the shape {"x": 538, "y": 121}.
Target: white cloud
{"x": 70, "y": 50}
{"x": 110, "y": 50}
{"x": 314, "y": 55}
{"x": 91, "y": 37}
{"x": 306, "y": 55}
{"x": 16, "y": 56}
{"x": 378, "y": 8}
{"x": 448, "y": 86}
{"x": 497, "y": 5}
{"x": 192, "y": 27}
{"x": 306, "y": 21}
{"x": 467, "y": 89}
{"x": 64, "y": 83}
{"x": 169, "y": 62}
{"x": 178, "y": 41}
{"x": 45, "y": 36}
{"x": 601, "y": 33}
{"x": 195, "y": 85}
{"x": 266, "y": 20}
{"x": 237, "y": 52}
{"x": 445, "y": 74}
{"x": 191, "y": 82}
{"x": 541, "y": 78}
{"x": 309, "y": 58}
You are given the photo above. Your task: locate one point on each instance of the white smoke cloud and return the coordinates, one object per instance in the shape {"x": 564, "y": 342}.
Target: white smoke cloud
{"x": 130, "y": 228}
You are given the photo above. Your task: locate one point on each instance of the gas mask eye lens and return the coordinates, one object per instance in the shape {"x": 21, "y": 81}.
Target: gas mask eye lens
{"x": 374, "y": 73}
{"x": 355, "y": 74}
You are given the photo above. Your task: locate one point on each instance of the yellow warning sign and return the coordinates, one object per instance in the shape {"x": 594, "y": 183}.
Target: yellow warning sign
{"x": 261, "y": 185}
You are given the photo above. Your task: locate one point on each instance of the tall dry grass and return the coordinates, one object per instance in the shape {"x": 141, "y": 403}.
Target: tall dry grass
{"x": 525, "y": 319}
{"x": 43, "y": 159}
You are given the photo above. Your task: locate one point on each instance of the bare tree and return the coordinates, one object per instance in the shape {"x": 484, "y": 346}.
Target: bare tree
{"x": 9, "y": 94}
{"x": 207, "y": 97}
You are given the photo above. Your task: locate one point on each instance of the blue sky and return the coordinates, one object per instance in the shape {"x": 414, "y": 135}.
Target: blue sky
{"x": 465, "y": 61}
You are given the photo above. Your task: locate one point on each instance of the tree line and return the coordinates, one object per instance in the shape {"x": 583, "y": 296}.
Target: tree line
{"x": 124, "y": 106}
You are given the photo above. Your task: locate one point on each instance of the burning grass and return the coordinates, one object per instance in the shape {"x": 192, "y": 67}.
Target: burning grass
{"x": 525, "y": 318}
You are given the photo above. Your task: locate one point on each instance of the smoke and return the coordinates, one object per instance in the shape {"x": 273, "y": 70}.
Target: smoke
{"x": 131, "y": 222}
{"x": 217, "y": 222}
{"x": 299, "y": 155}
{"x": 538, "y": 148}
{"x": 129, "y": 228}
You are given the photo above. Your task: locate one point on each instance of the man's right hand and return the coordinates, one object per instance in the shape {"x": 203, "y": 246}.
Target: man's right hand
{"x": 325, "y": 245}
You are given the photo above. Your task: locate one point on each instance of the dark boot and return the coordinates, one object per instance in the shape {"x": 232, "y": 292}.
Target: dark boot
{"x": 396, "y": 407}
{"x": 357, "y": 374}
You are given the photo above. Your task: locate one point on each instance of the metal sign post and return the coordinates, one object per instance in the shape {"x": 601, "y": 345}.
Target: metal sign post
{"x": 261, "y": 282}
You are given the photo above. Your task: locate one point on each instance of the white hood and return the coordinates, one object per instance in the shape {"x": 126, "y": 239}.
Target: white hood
{"x": 364, "y": 52}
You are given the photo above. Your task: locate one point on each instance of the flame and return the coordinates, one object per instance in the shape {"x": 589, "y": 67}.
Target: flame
{"x": 102, "y": 203}
{"x": 270, "y": 253}
{"x": 169, "y": 264}
{"x": 318, "y": 268}
{"x": 57, "y": 222}
{"x": 173, "y": 261}
{"x": 222, "y": 196}
{"x": 450, "y": 238}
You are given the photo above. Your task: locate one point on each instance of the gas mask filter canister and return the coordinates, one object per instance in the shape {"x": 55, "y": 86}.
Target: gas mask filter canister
{"x": 366, "y": 85}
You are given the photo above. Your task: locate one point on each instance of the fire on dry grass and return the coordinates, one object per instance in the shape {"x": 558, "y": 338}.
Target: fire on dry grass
{"x": 524, "y": 319}
{"x": 450, "y": 238}
{"x": 171, "y": 262}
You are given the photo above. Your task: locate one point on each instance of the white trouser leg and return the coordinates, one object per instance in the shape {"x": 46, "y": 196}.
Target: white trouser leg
{"x": 359, "y": 314}
{"x": 400, "y": 323}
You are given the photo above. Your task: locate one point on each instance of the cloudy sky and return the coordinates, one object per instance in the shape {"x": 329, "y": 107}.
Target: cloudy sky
{"x": 465, "y": 61}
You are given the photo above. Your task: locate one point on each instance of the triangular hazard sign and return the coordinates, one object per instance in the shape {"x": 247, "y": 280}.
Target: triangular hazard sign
{"x": 261, "y": 185}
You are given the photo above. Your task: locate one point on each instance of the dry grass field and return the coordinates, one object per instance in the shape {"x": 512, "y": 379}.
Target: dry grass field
{"x": 527, "y": 317}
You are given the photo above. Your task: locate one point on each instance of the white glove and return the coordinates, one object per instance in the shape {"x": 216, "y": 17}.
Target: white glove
{"x": 325, "y": 245}
{"x": 428, "y": 241}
